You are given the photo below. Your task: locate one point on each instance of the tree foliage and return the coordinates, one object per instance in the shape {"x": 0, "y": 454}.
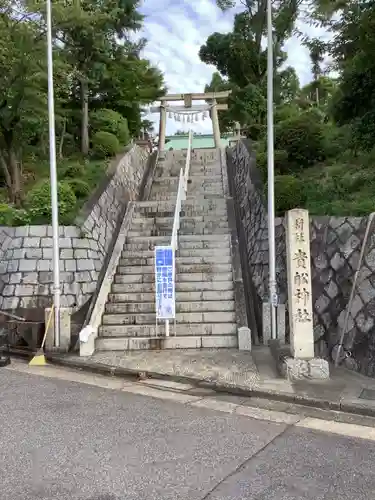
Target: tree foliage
{"x": 97, "y": 69}
{"x": 325, "y": 130}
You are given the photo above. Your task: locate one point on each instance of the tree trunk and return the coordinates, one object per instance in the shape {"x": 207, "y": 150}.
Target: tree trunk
{"x": 16, "y": 177}
{"x": 61, "y": 145}
{"x": 8, "y": 178}
{"x": 85, "y": 117}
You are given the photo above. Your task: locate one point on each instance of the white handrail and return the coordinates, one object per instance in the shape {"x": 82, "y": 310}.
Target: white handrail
{"x": 181, "y": 193}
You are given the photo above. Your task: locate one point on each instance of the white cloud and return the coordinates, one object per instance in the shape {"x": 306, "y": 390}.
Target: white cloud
{"x": 176, "y": 30}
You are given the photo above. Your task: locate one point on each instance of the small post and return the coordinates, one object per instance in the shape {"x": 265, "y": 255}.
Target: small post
{"x": 299, "y": 284}
{"x": 167, "y": 328}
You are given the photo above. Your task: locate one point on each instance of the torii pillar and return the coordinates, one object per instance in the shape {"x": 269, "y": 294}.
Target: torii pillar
{"x": 162, "y": 124}
{"x": 215, "y": 124}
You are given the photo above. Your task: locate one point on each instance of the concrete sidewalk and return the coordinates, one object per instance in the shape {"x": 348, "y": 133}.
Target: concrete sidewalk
{"x": 226, "y": 370}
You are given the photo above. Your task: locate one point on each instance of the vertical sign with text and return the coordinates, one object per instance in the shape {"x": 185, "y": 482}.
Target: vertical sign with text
{"x": 299, "y": 284}
{"x": 164, "y": 283}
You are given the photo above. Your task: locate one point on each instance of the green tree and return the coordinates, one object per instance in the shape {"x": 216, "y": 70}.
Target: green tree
{"x": 23, "y": 98}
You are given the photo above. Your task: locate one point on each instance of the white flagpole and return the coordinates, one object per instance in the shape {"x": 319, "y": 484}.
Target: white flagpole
{"x": 53, "y": 179}
{"x": 270, "y": 156}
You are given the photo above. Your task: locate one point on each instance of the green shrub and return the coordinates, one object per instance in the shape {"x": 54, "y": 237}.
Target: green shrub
{"x": 38, "y": 201}
{"x": 6, "y": 214}
{"x": 289, "y": 193}
{"x": 302, "y": 138}
{"x": 74, "y": 170}
{"x": 280, "y": 162}
{"x": 107, "y": 120}
{"x": 336, "y": 140}
{"x": 10, "y": 216}
{"x": 105, "y": 144}
{"x": 80, "y": 188}
{"x": 261, "y": 162}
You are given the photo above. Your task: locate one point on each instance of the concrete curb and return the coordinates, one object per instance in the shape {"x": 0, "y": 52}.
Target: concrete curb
{"x": 257, "y": 392}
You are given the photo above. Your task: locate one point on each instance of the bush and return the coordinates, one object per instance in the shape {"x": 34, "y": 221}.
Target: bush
{"x": 289, "y": 193}
{"x": 302, "y": 138}
{"x": 80, "y": 188}
{"x": 107, "y": 120}
{"x": 6, "y": 214}
{"x": 74, "y": 170}
{"x": 261, "y": 162}
{"x": 10, "y": 216}
{"x": 337, "y": 140}
{"x": 280, "y": 162}
{"x": 105, "y": 144}
{"x": 38, "y": 201}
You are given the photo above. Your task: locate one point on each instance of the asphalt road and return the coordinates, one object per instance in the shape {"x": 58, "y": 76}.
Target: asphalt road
{"x": 63, "y": 440}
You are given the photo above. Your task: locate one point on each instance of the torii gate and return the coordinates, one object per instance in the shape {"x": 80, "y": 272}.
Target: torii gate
{"x": 188, "y": 106}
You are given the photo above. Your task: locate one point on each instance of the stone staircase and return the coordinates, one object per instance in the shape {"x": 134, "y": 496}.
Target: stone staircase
{"x": 205, "y": 307}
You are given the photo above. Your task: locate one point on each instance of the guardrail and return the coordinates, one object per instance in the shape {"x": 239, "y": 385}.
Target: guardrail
{"x": 181, "y": 196}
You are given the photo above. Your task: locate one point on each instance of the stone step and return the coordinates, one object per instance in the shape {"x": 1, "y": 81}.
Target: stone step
{"x": 163, "y": 206}
{"x": 213, "y": 195}
{"x": 179, "y": 342}
{"x": 188, "y": 317}
{"x": 181, "y": 307}
{"x": 150, "y": 330}
{"x": 198, "y": 197}
{"x": 187, "y": 286}
{"x": 161, "y": 240}
{"x": 200, "y": 221}
{"x": 180, "y": 269}
{"x": 185, "y": 245}
{"x": 187, "y": 211}
{"x": 180, "y": 296}
{"x": 180, "y": 277}
{"x": 181, "y": 252}
{"x": 150, "y": 261}
{"x": 183, "y": 231}
{"x": 194, "y": 179}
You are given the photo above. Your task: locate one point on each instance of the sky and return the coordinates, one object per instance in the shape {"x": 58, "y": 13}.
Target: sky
{"x": 175, "y": 31}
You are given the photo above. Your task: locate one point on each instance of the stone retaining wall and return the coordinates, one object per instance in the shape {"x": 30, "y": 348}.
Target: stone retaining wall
{"x": 26, "y": 276}
{"x": 336, "y": 244}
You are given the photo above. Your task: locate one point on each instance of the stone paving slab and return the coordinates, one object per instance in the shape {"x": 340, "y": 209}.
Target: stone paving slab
{"x": 210, "y": 365}
{"x": 231, "y": 371}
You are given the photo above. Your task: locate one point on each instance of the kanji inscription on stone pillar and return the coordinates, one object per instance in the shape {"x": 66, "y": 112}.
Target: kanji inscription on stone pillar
{"x": 299, "y": 284}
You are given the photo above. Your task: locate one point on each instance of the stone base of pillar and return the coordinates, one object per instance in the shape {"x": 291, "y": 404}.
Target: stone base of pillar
{"x": 65, "y": 331}
{"x": 266, "y": 321}
{"x": 295, "y": 369}
{"x": 244, "y": 339}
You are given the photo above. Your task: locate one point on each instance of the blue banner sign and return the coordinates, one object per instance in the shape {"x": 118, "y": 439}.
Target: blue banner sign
{"x": 164, "y": 283}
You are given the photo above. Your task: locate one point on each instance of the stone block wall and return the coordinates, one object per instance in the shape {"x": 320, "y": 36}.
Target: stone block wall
{"x": 26, "y": 278}
{"x": 336, "y": 244}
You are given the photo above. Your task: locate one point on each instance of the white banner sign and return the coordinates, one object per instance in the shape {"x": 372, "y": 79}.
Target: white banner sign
{"x": 164, "y": 283}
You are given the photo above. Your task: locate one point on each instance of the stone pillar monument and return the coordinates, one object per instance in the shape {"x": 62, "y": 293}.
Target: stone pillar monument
{"x": 162, "y": 125}
{"x": 303, "y": 364}
{"x": 215, "y": 124}
{"x": 299, "y": 284}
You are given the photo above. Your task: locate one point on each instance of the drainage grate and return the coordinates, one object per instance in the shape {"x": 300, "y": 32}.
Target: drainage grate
{"x": 367, "y": 394}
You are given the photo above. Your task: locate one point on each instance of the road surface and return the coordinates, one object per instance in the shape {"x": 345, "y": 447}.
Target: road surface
{"x": 72, "y": 436}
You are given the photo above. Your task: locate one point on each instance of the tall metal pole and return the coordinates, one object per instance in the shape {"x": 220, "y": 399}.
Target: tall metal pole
{"x": 270, "y": 156}
{"x": 53, "y": 178}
